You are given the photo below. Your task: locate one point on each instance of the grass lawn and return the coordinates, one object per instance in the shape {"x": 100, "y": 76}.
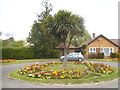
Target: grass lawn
{"x": 103, "y": 60}
{"x": 69, "y": 67}
{"x": 99, "y": 78}
{"x": 29, "y": 60}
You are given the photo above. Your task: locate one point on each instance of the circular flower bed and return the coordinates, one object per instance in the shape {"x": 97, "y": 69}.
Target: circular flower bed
{"x": 7, "y": 60}
{"x": 39, "y": 71}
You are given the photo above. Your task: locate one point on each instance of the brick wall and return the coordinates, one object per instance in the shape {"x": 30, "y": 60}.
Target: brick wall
{"x": 101, "y": 42}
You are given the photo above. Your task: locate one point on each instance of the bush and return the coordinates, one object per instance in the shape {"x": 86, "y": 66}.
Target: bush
{"x": 27, "y": 53}
{"x": 92, "y": 55}
{"x": 113, "y": 55}
{"x": 17, "y": 53}
{"x": 118, "y": 55}
{"x": 55, "y": 54}
{"x": 96, "y": 55}
{"x": 100, "y": 55}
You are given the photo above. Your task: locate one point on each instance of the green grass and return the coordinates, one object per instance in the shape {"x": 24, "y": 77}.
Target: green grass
{"x": 57, "y": 59}
{"x": 101, "y": 78}
{"x": 103, "y": 60}
{"x": 29, "y": 60}
{"x": 60, "y": 67}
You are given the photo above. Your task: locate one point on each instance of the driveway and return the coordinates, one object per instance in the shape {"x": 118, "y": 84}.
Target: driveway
{"x": 13, "y": 83}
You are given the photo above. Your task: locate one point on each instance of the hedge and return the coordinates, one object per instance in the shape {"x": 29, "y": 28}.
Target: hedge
{"x": 96, "y": 55}
{"x": 21, "y": 53}
{"x": 17, "y": 53}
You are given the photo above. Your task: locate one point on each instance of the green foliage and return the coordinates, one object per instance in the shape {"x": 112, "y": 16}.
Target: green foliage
{"x": 17, "y": 53}
{"x": 96, "y": 55}
{"x": 46, "y": 12}
{"x": 78, "y": 40}
{"x": 26, "y": 53}
{"x": 118, "y": 55}
{"x": 64, "y": 26}
{"x": 43, "y": 42}
{"x": 113, "y": 55}
{"x": 100, "y": 55}
{"x": 10, "y": 42}
{"x": 83, "y": 50}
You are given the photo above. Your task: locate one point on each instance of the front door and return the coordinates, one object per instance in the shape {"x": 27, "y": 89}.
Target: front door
{"x": 97, "y": 50}
{"x": 106, "y": 52}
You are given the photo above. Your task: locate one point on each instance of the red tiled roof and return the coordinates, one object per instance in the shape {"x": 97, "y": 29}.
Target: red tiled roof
{"x": 114, "y": 41}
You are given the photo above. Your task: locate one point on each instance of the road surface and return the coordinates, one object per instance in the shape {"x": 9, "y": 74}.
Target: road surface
{"x": 13, "y": 83}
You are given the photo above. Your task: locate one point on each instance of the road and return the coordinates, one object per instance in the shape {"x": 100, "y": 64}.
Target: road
{"x": 13, "y": 83}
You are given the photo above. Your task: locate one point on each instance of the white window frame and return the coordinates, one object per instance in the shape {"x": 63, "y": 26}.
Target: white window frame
{"x": 110, "y": 50}
{"x": 100, "y": 49}
{"x": 92, "y": 48}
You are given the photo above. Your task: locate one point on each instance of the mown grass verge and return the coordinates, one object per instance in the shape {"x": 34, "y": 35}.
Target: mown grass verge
{"x": 29, "y": 60}
{"x": 103, "y": 60}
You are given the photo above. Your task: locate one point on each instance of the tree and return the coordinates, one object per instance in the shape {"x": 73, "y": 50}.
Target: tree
{"x": 10, "y": 42}
{"x": 64, "y": 25}
{"x": 77, "y": 40}
{"x": 43, "y": 42}
{"x": 46, "y": 12}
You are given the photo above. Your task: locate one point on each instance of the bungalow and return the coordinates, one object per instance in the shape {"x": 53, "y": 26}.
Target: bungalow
{"x": 101, "y": 44}
{"x": 70, "y": 50}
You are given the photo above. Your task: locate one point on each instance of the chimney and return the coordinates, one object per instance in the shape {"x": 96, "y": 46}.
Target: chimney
{"x": 93, "y": 36}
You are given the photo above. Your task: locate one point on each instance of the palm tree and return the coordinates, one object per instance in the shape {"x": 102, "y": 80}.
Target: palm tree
{"x": 64, "y": 25}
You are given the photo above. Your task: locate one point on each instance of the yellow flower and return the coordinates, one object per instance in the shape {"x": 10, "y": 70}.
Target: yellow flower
{"x": 20, "y": 72}
{"x": 106, "y": 68}
{"x": 61, "y": 76}
{"x": 55, "y": 72}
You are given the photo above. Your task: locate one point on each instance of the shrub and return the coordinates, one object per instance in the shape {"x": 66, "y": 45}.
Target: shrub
{"x": 113, "y": 55}
{"x": 92, "y": 55}
{"x": 96, "y": 55}
{"x": 118, "y": 55}
{"x": 55, "y": 54}
{"x": 100, "y": 55}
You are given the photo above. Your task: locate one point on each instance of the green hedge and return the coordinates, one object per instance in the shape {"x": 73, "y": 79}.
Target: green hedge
{"x": 17, "y": 53}
{"x": 115, "y": 55}
{"x": 21, "y": 53}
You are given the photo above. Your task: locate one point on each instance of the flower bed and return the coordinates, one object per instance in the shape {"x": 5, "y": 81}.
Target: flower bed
{"x": 7, "y": 60}
{"x": 39, "y": 71}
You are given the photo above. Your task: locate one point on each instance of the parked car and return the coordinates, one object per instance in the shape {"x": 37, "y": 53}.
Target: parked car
{"x": 73, "y": 56}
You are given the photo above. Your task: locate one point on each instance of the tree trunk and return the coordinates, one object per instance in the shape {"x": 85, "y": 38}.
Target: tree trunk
{"x": 65, "y": 54}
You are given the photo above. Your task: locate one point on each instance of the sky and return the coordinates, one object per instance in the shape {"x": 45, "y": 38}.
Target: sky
{"x": 17, "y": 16}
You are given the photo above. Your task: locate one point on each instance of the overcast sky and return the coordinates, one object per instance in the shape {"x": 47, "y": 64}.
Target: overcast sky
{"x": 101, "y": 16}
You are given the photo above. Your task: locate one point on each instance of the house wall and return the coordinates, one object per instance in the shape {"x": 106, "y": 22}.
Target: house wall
{"x": 101, "y": 42}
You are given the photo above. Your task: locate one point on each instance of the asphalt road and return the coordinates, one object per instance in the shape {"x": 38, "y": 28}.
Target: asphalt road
{"x": 13, "y": 83}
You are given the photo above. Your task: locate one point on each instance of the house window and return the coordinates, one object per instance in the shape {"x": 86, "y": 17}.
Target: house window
{"x": 111, "y": 50}
{"x": 105, "y": 50}
{"x": 101, "y": 50}
{"x": 108, "y": 50}
{"x": 92, "y": 50}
